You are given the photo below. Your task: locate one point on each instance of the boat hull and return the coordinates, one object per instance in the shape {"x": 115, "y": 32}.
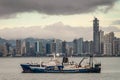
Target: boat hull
{"x": 27, "y": 68}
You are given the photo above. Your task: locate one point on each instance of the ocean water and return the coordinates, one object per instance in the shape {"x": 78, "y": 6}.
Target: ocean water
{"x": 10, "y": 70}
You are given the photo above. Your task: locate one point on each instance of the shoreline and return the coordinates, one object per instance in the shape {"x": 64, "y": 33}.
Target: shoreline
{"x": 50, "y": 56}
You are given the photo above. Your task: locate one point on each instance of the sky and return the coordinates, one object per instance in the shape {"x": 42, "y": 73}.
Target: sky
{"x": 62, "y": 19}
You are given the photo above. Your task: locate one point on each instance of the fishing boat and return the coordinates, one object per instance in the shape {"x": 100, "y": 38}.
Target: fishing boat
{"x": 66, "y": 66}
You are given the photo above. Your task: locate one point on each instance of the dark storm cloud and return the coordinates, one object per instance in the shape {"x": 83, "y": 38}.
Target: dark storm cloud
{"x": 52, "y": 7}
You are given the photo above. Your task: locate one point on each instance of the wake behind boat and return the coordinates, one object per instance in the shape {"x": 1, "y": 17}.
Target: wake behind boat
{"x": 66, "y": 66}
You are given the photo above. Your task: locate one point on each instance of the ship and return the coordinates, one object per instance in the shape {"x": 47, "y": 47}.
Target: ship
{"x": 65, "y": 66}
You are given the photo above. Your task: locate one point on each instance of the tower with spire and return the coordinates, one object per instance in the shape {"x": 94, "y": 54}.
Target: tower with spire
{"x": 96, "y": 36}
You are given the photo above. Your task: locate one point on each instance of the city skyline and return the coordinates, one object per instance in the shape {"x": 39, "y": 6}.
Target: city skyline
{"x": 101, "y": 45}
{"x": 46, "y": 19}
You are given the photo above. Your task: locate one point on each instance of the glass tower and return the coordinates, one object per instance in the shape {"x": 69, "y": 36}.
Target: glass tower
{"x": 96, "y": 36}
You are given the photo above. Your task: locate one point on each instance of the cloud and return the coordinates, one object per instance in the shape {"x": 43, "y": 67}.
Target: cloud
{"x": 57, "y": 30}
{"x": 117, "y": 22}
{"x": 111, "y": 29}
{"x": 52, "y": 7}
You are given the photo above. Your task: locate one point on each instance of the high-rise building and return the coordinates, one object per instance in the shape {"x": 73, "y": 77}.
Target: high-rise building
{"x": 38, "y": 48}
{"x": 54, "y": 47}
{"x": 3, "y": 50}
{"x": 70, "y": 51}
{"x": 74, "y": 46}
{"x": 28, "y": 48}
{"x": 35, "y": 46}
{"x": 101, "y": 41}
{"x": 48, "y": 48}
{"x": 69, "y": 48}
{"x": 108, "y": 43}
{"x": 91, "y": 47}
{"x": 58, "y": 46}
{"x": 7, "y": 45}
{"x": 64, "y": 48}
{"x": 18, "y": 48}
{"x": 25, "y": 48}
{"x": 96, "y": 36}
{"x": 87, "y": 47}
{"x": 107, "y": 49}
{"x": 78, "y": 46}
{"x": 116, "y": 46}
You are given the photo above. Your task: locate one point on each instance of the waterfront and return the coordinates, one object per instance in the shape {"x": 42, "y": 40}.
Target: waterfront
{"x": 10, "y": 70}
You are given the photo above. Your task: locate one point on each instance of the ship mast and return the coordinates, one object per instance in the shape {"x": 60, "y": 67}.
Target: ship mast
{"x": 91, "y": 61}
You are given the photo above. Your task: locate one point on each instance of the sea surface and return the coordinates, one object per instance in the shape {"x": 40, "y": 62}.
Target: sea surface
{"x": 10, "y": 70}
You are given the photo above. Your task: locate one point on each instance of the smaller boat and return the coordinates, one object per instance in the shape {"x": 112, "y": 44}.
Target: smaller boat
{"x": 55, "y": 66}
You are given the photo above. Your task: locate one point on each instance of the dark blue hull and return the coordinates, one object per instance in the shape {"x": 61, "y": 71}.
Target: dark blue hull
{"x": 27, "y": 68}
{"x": 67, "y": 71}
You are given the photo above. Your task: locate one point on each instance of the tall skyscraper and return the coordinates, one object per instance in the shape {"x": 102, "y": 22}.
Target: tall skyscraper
{"x": 96, "y": 36}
